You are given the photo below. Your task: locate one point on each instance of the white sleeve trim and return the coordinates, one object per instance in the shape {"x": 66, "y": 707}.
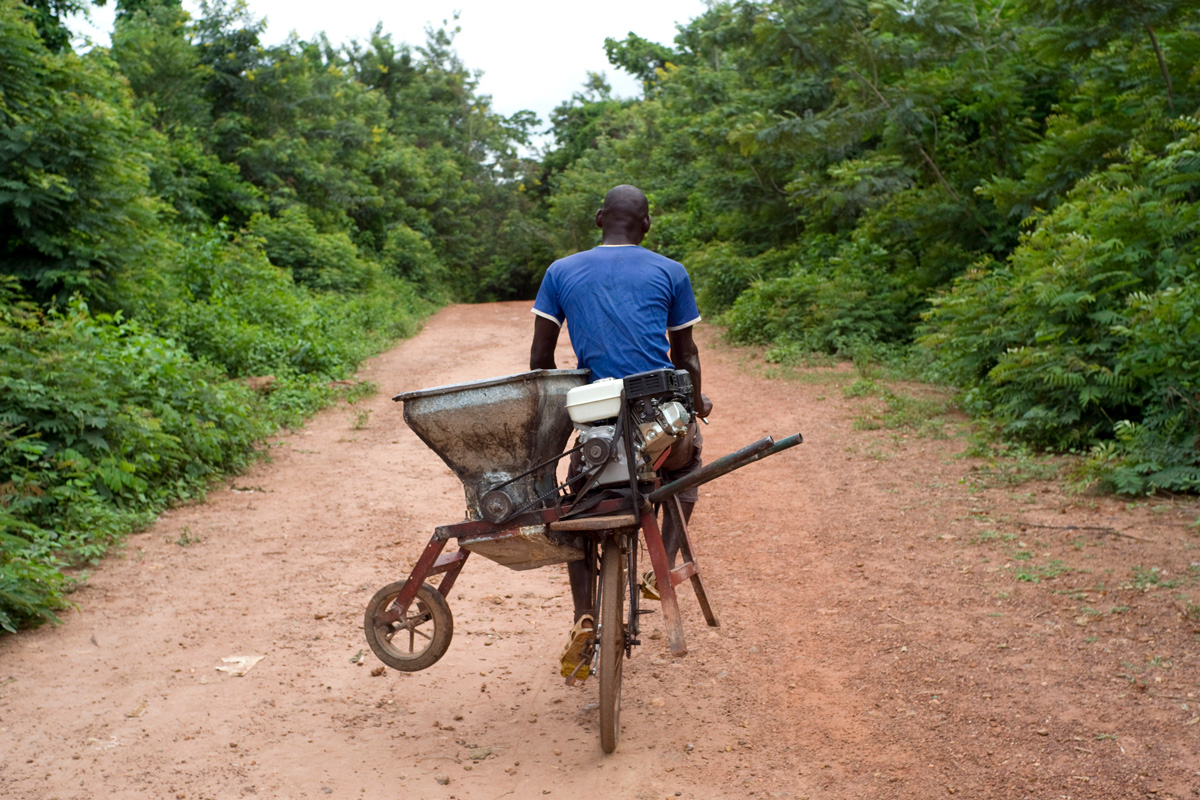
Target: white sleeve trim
{"x": 684, "y": 325}
{"x": 553, "y": 319}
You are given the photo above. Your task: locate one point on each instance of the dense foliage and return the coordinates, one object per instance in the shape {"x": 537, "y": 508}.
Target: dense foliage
{"x": 1009, "y": 186}
{"x": 1011, "y": 189}
{"x": 189, "y": 208}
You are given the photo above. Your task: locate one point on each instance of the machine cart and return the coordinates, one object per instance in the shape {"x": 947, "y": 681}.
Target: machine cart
{"x": 504, "y": 439}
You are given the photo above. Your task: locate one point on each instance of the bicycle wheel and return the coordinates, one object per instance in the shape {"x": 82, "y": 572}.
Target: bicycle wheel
{"x": 415, "y": 641}
{"x": 611, "y": 634}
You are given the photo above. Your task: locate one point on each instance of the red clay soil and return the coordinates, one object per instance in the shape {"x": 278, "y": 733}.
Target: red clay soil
{"x": 895, "y": 624}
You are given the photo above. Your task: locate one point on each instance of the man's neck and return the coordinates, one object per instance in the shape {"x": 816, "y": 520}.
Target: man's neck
{"x": 617, "y": 240}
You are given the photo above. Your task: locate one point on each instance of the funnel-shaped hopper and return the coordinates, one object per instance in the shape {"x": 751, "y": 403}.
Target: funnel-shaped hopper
{"x": 491, "y": 431}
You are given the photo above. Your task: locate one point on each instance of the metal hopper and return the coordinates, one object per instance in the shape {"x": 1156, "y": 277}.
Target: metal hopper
{"x": 491, "y": 431}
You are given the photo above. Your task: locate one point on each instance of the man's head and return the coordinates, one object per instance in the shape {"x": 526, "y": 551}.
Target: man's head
{"x": 625, "y": 215}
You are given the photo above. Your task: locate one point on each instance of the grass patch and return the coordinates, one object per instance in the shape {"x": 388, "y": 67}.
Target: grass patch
{"x": 1032, "y": 573}
{"x": 1146, "y": 579}
{"x": 900, "y": 412}
{"x": 186, "y": 537}
{"x": 820, "y": 375}
{"x": 1009, "y": 464}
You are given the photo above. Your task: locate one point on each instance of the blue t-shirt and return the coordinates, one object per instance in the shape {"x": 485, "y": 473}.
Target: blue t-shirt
{"x": 619, "y": 302}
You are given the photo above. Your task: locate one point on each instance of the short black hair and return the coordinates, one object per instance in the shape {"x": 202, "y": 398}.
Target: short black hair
{"x": 626, "y": 202}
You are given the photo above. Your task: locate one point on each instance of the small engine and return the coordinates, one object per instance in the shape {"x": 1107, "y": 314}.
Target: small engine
{"x": 660, "y": 407}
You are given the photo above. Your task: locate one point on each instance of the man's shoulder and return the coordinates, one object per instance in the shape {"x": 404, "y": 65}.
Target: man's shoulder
{"x": 574, "y": 258}
{"x": 658, "y": 258}
{"x": 567, "y": 262}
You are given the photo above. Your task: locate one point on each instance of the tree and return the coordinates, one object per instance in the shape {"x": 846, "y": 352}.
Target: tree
{"x": 75, "y": 211}
{"x": 48, "y": 17}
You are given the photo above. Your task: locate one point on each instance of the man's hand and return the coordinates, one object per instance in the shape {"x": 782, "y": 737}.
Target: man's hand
{"x": 685, "y": 355}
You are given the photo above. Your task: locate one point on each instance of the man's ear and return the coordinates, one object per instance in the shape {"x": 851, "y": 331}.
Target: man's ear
{"x": 599, "y": 217}
{"x": 646, "y": 224}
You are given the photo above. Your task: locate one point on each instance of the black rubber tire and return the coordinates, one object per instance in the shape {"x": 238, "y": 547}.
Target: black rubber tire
{"x": 428, "y": 619}
{"x": 612, "y": 642}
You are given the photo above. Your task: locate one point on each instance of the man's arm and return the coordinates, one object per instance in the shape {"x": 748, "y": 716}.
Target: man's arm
{"x": 545, "y": 339}
{"x": 686, "y": 355}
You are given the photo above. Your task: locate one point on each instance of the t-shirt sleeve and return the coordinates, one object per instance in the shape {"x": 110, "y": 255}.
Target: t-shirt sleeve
{"x": 683, "y": 312}
{"x": 547, "y": 303}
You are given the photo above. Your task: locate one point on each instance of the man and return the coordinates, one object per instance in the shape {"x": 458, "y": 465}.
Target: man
{"x": 630, "y": 310}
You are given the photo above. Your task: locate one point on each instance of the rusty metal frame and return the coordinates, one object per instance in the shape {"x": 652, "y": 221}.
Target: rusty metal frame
{"x": 482, "y": 527}
{"x": 433, "y": 561}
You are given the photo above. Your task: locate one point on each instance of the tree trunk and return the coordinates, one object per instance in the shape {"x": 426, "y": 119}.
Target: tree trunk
{"x": 1162, "y": 64}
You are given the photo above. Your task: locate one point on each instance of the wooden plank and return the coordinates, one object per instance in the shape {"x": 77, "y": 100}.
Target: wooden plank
{"x": 666, "y": 589}
{"x": 690, "y": 566}
{"x": 682, "y": 573}
{"x": 609, "y": 522}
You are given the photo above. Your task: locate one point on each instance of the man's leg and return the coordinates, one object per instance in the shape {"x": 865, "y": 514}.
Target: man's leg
{"x": 581, "y": 587}
{"x": 577, "y": 653}
{"x": 580, "y": 574}
{"x": 577, "y": 571}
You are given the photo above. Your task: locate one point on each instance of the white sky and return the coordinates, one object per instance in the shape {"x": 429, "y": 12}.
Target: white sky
{"x": 534, "y": 53}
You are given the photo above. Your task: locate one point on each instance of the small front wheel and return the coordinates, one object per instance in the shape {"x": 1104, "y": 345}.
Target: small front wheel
{"x": 419, "y": 637}
{"x": 611, "y": 634}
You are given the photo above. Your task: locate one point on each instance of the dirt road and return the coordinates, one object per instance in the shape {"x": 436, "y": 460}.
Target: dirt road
{"x": 892, "y": 627}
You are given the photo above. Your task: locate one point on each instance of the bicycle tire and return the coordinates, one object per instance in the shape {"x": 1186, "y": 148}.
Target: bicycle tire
{"x": 612, "y": 642}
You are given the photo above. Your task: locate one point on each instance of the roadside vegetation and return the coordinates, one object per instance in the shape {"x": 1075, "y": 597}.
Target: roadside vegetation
{"x": 1001, "y": 197}
{"x": 1004, "y": 193}
{"x": 189, "y": 214}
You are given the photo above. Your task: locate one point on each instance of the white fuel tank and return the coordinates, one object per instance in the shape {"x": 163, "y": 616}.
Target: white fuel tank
{"x": 595, "y": 401}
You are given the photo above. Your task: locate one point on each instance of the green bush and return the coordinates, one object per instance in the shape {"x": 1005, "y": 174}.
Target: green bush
{"x": 31, "y": 588}
{"x": 104, "y": 423}
{"x": 245, "y": 315}
{"x": 1162, "y": 450}
{"x": 408, "y": 254}
{"x": 836, "y": 313}
{"x": 722, "y": 271}
{"x": 319, "y": 260}
{"x": 1086, "y": 337}
{"x": 241, "y": 313}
